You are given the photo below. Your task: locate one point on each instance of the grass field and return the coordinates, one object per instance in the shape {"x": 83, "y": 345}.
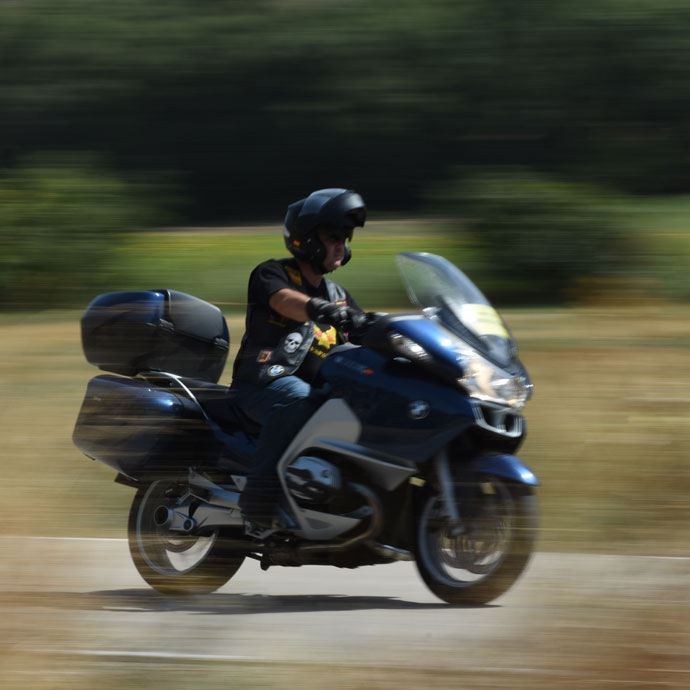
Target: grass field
{"x": 214, "y": 263}
{"x": 609, "y": 422}
{"x": 609, "y": 428}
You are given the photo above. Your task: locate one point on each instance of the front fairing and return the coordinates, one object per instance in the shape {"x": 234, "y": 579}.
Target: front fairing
{"x": 461, "y": 330}
{"x": 449, "y": 298}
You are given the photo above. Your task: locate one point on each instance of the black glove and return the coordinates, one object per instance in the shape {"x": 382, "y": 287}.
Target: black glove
{"x": 339, "y": 315}
{"x": 363, "y": 324}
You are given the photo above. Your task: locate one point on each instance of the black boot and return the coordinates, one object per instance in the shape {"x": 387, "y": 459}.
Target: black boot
{"x": 258, "y": 503}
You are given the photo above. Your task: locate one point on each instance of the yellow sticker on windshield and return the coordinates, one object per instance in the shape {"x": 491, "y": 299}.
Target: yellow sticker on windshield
{"x": 483, "y": 320}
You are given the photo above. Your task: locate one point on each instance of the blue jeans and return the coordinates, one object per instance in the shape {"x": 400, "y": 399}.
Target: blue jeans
{"x": 282, "y": 408}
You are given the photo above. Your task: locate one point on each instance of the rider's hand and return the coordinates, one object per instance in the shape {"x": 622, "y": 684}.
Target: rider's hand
{"x": 339, "y": 315}
{"x": 361, "y": 323}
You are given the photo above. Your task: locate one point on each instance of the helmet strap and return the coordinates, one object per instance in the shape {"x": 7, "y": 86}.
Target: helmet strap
{"x": 318, "y": 268}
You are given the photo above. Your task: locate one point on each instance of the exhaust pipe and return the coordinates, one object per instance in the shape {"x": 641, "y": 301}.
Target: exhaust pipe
{"x": 175, "y": 521}
{"x": 306, "y": 553}
{"x": 375, "y": 526}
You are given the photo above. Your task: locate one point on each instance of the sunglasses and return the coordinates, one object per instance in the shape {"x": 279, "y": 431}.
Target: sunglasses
{"x": 339, "y": 235}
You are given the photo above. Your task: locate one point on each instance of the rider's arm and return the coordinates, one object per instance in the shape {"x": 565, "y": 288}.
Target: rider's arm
{"x": 290, "y": 303}
{"x": 299, "y": 307}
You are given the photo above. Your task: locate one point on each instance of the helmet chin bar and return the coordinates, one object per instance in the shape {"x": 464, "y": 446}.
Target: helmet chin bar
{"x": 319, "y": 268}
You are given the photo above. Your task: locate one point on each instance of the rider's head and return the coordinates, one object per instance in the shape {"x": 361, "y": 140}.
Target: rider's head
{"x": 325, "y": 215}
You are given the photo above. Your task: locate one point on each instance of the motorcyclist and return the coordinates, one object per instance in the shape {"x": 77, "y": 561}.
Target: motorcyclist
{"x": 294, "y": 317}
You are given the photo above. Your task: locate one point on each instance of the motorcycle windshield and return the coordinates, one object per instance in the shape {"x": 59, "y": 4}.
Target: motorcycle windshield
{"x": 446, "y": 295}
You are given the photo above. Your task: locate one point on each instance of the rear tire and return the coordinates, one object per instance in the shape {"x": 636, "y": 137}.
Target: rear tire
{"x": 487, "y": 557}
{"x": 176, "y": 563}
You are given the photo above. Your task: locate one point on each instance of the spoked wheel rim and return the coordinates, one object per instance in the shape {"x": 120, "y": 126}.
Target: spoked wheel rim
{"x": 463, "y": 556}
{"x": 165, "y": 551}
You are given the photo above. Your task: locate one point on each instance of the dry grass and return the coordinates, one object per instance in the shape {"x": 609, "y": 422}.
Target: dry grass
{"x": 609, "y": 429}
{"x": 610, "y": 426}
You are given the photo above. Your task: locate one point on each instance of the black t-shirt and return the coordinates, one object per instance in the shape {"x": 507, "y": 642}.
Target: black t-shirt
{"x": 272, "y": 276}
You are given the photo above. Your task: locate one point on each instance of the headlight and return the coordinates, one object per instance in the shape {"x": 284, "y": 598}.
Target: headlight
{"x": 406, "y": 347}
{"x": 481, "y": 378}
{"x": 485, "y": 381}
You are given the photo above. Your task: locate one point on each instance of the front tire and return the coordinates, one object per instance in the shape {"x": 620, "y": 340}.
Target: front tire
{"x": 176, "y": 563}
{"x": 480, "y": 561}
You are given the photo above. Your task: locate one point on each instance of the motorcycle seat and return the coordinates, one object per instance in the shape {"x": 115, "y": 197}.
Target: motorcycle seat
{"x": 218, "y": 403}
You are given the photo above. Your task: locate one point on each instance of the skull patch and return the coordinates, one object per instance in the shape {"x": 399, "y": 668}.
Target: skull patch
{"x": 292, "y": 342}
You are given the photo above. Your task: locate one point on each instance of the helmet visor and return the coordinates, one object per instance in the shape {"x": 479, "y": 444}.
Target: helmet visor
{"x": 336, "y": 234}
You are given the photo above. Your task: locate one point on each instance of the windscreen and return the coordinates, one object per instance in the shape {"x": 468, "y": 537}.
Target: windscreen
{"x": 446, "y": 295}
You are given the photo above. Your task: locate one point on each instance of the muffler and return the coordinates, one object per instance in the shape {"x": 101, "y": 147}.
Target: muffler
{"x": 168, "y": 518}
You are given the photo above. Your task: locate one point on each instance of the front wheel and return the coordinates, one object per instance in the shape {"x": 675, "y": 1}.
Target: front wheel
{"x": 173, "y": 562}
{"x": 478, "y": 560}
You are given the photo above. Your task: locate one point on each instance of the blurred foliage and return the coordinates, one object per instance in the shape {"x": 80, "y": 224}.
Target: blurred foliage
{"x": 250, "y": 104}
{"x": 662, "y": 226}
{"x": 255, "y": 102}
{"x": 60, "y": 222}
{"x": 536, "y": 239}
{"x": 215, "y": 264}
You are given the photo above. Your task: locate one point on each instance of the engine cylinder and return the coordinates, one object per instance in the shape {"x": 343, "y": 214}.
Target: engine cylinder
{"x": 312, "y": 479}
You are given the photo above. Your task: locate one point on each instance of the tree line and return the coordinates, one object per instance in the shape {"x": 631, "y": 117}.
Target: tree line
{"x": 247, "y": 103}
{"x": 227, "y": 110}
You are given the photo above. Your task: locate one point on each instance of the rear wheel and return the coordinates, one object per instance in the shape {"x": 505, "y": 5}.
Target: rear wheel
{"x": 174, "y": 562}
{"x": 477, "y": 561}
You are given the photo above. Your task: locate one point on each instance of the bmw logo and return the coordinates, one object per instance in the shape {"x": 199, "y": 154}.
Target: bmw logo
{"x": 418, "y": 409}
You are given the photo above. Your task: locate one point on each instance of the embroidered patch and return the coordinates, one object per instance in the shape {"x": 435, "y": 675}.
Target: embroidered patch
{"x": 325, "y": 339}
{"x": 294, "y": 275}
{"x": 276, "y": 370}
{"x": 292, "y": 342}
{"x": 264, "y": 356}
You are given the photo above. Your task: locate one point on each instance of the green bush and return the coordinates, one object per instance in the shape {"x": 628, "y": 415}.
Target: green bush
{"x": 59, "y": 224}
{"x": 536, "y": 239}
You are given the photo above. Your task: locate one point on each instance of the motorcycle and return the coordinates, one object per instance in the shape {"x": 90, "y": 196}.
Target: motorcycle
{"x": 410, "y": 457}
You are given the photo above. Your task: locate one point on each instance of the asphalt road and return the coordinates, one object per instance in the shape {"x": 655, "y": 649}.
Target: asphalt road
{"x": 75, "y": 613}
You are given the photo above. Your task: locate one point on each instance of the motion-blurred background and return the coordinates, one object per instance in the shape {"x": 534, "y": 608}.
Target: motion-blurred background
{"x": 544, "y": 147}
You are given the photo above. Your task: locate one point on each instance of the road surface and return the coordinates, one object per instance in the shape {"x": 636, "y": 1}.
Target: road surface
{"x": 76, "y": 614}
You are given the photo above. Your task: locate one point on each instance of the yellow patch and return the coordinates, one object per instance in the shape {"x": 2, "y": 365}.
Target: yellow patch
{"x": 325, "y": 339}
{"x": 294, "y": 275}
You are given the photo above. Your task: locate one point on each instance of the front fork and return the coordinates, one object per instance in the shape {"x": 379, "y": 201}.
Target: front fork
{"x": 446, "y": 485}
{"x": 457, "y": 491}
{"x": 451, "y": 501}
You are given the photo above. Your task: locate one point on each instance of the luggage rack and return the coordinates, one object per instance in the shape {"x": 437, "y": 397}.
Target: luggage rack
{"x": 215, "y": 401}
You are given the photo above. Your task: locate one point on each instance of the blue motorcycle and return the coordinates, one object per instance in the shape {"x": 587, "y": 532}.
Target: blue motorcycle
{"x": 410, "y": 456}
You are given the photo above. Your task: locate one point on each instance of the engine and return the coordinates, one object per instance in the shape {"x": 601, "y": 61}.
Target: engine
{"x": 313, "y": 480}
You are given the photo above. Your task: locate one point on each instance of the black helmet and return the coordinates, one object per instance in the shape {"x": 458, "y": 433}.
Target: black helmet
{"x": 330, "y": 209}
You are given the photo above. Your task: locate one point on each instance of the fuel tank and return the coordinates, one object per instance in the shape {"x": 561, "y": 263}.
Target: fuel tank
{"x": 403, "y": 411}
